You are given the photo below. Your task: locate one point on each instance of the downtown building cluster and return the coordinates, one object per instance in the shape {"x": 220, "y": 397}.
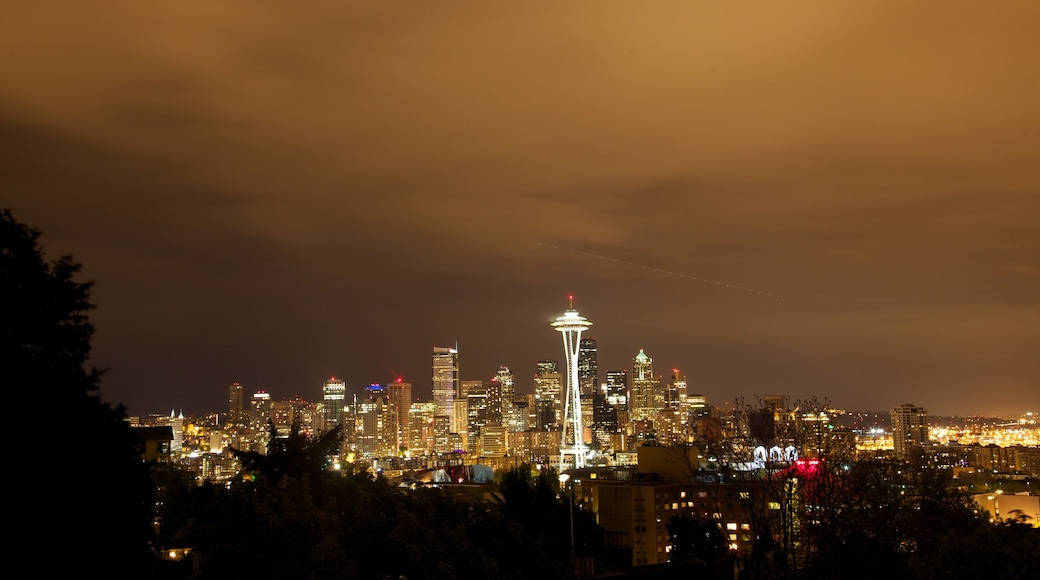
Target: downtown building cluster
{"x": 636, "y": 448}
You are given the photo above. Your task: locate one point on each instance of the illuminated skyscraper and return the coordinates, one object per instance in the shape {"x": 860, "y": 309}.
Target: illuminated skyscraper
{"x": 572, "y": 443}
{"x": 676, "y": 393}
{"x": 236, "y": 402}
{"x": 909, "y": 429}
{"x": 644, "y": 388}
{"x": 445, "y": 381}
{"x": 400, "y": 394}
{"x": 333, "y": 398}
{"x": 259, "y": 416}
{"x": 548, "y": 394}
{"x": 507, "y": 395}
{"x": 588, "y": 372}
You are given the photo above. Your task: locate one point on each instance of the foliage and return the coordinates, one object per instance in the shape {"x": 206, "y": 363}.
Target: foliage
{"x": 696, "y": 538}
{"x": 293, "y": 522}
{"x": 295, "y": 456}
{"x": 94, "y": 504}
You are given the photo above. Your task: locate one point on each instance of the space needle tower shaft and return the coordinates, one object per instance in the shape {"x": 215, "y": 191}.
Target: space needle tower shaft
{"x": 572, "y": 443}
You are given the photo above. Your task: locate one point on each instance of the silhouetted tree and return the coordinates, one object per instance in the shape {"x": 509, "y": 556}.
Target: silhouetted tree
{"x": 296, "y": 455}
{"x": 91, "y": 500}
{"x": 696, "y": 538}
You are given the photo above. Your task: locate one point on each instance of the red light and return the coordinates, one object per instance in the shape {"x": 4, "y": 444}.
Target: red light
{"x": 398, "y": 380}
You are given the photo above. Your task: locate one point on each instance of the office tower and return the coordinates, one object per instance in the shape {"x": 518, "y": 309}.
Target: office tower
{"x": 588, "y": 372}
{"x": 604, "y": 420}
{"x": 442, "y": 440}
{"x": 282, "y": 417}
{"x": 645, "y": 396}
{"x": 775, "y": 402}
{"x": 378, "y": 424}
{"x": 545, "y": 367}
{"x": 506, "y": 405}
{"x": 176, "y": 423}
{"x": 259, "y": 415}
{"x": 548, "y": 392}
{"x": 420, "y": 428}
{"x": 334, "y": 395}
{"x": 236, "y": 402}
{"x": 446, "y": 381}
{"x": 400, "y": 394}
{"x": 478, "y": 415}
{"x": 572, "y": 443}
{"x": 676, "y": 393}
{"x": 909, "y": 429}
{"x": 616, "y": 388}
{"x": 697, "y": 406}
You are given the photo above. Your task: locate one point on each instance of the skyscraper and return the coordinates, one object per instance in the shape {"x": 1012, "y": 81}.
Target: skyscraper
{"x": 644, "y": 403}
{"x": 909, "y": 429}
{"x": 676, "y": 393}
{"x": 506, "y": 392}
{"x": 588, "y": 372}
{"x": 259, "y": 415}
{"x": 445, "y": 381}
{"x": 548, "y": 393}
{"x": 572, "y": 443}
{"x": 236, "y": 402}
{"x": 334, "y": 394}
{"x": 400, "y": 394}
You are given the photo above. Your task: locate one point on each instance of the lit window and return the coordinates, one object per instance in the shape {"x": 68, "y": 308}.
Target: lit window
{"x": 717, "y": 515}
{"x": 745, "y": 526}
{"x": 731, "y": 526}
{"x": 774, "y": 505}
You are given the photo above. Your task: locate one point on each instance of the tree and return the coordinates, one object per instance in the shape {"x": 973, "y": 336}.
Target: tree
{"x": 90, "y": 493}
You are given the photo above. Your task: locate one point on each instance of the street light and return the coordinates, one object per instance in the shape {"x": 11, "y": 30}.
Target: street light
{"x": 563, "y": 482}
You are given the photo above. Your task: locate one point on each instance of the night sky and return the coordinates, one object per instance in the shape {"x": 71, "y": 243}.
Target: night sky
{"x": 830, "y": 199}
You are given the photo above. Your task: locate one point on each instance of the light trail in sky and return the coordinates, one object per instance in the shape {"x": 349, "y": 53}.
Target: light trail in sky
{"x": 662, "y": 271}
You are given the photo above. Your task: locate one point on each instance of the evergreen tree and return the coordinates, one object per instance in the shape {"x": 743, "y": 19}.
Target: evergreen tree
{"x": 90, "y": 498}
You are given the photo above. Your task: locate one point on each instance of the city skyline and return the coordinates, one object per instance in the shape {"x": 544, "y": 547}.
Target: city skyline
{"x": 831, "y": 200}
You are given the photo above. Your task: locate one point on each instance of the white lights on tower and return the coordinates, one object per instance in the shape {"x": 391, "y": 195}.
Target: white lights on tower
{"x": 572, "y": 443}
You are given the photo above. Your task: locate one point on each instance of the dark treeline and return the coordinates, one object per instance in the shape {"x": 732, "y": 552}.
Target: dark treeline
{"x": 296, "y": 520}
{"x": 92, "y": 508}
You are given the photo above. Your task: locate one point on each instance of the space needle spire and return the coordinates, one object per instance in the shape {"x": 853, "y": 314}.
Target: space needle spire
{"x": 572, "y": 442}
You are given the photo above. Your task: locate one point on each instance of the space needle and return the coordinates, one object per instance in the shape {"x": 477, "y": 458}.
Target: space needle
{"x": 571, "y": 325}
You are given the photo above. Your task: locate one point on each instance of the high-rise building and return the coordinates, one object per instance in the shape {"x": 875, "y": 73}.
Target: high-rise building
{"x": 588, "y": 371}
{"x": 909, "y": 429}
{"x": 236, "y": 402}
{"x": 378, "y": 424}
{"x": 572, "y": 443}
{"x": 646, "y": 399}
{"x": 445, "y": 381}
{"x": 676, "y": 394}
{"x": 548, "y": 392}
{"x": 334, "y": 394}
{"x": 420, "y": 428}
{"x": 400, "y": 395}
{"x": 506, "y": 406}
{"x": 259, "y": 416}
{"x": 477, "y": 410}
